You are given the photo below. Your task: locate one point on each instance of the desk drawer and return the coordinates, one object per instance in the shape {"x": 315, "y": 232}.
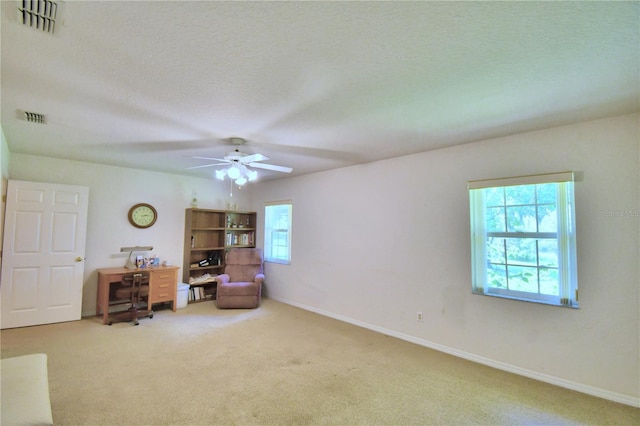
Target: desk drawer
{"x": 164, "y": 285}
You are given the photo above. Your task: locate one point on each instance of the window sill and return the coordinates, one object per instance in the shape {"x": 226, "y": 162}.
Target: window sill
{"x": 278, "y": 261}
{"x": 524, "y": 299}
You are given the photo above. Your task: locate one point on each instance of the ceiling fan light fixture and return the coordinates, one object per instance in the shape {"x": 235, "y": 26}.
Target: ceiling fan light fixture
{"x": 237, "y": 173}
{"x": 239, "y": 166}
{"x": 220, "y": 174}
{"x": 233, "y": 172}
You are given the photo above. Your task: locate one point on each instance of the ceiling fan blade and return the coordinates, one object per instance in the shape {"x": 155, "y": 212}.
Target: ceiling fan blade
{"x": 271, "y": 167}
{"x": 254, "y": 157}
{"x": 209, "y": 158}
{"x": 207, "y": 165}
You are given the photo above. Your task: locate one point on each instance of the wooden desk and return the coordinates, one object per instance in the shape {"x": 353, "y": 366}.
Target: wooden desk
{"x": 163, "y": 286}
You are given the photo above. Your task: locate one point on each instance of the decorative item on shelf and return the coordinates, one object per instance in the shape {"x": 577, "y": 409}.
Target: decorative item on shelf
{"x": 202, "y": 279}
{"x": 212, "y": 260}
{"x": 194, "y": 200}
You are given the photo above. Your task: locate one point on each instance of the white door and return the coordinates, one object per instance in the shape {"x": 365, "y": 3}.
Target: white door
{"x": 43, "y": 253}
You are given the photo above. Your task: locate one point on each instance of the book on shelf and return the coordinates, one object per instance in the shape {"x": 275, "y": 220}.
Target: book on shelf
{"x": 198, "y": 293}
{"x": 245, "y": 239}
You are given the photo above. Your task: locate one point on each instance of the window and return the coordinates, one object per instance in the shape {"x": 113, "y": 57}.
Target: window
{"x": 277, "y": 232}
{"x": 523, "y": 243}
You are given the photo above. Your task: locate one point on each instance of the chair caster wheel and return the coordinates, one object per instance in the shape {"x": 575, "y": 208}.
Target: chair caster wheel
{"x": 109, "y": 322}
{"x": 151, "y": 316}
{"x": 136, "y": 323}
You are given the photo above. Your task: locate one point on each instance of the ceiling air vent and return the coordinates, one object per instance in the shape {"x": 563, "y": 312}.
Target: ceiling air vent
{"x": 39, "y": 14}
{"x": 34, "y": 117}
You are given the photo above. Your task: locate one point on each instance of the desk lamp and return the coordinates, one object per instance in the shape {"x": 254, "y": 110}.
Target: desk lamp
{"x": 130, "y": 264}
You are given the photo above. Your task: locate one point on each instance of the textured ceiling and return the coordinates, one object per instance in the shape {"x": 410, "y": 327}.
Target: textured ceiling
{"x": 312, "y": 85}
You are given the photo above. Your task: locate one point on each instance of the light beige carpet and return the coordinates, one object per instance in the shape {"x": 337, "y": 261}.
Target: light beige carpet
{"x": 280, "y": 365}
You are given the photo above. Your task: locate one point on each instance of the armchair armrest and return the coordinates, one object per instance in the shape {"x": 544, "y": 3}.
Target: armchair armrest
{"x": 259, "y": 278}
{"x": 222, "y": 279}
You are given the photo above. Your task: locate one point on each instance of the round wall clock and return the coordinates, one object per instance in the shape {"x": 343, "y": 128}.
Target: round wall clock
{"x": 142, "y": 215}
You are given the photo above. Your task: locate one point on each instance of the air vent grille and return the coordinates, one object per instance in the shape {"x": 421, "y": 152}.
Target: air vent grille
{"x": 39, "y": 14}
{"x": 34, "y": 117}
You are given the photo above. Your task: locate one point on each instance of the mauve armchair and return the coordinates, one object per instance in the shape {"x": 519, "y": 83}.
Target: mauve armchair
{"x": 240, "y": 287}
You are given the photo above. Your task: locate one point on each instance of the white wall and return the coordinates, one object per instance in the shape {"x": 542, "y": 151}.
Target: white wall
{"x": 375, "y": 243}
{"x": 4, "y": 176}
{"x": 4, "y": 156}
{"x": 112, "y": 191}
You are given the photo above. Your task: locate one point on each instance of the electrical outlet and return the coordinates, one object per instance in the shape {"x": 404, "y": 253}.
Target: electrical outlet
{"x": 419, "y": 316}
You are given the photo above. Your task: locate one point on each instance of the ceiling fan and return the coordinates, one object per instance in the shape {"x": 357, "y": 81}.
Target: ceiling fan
{"x": 239, "y": 164}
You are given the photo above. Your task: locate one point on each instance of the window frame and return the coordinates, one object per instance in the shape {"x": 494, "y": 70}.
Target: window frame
{"x": 565, "y": 235}
{"x": 269, "y": 229}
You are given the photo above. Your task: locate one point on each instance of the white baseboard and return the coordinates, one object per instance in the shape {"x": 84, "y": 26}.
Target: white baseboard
{"x": 568, "y": 384}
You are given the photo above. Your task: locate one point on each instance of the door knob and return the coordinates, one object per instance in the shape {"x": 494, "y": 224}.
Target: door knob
{"x": 79, "y": 259}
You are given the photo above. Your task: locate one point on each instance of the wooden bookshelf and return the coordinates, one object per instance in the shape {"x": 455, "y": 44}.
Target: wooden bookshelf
{"x": 208, "y": 234}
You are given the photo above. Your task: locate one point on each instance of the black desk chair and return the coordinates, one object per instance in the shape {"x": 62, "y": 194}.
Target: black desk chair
{"x": 133, "y": 289}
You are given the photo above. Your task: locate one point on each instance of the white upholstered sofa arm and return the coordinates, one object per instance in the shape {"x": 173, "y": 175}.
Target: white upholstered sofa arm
{"x": 25, "y": 391}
